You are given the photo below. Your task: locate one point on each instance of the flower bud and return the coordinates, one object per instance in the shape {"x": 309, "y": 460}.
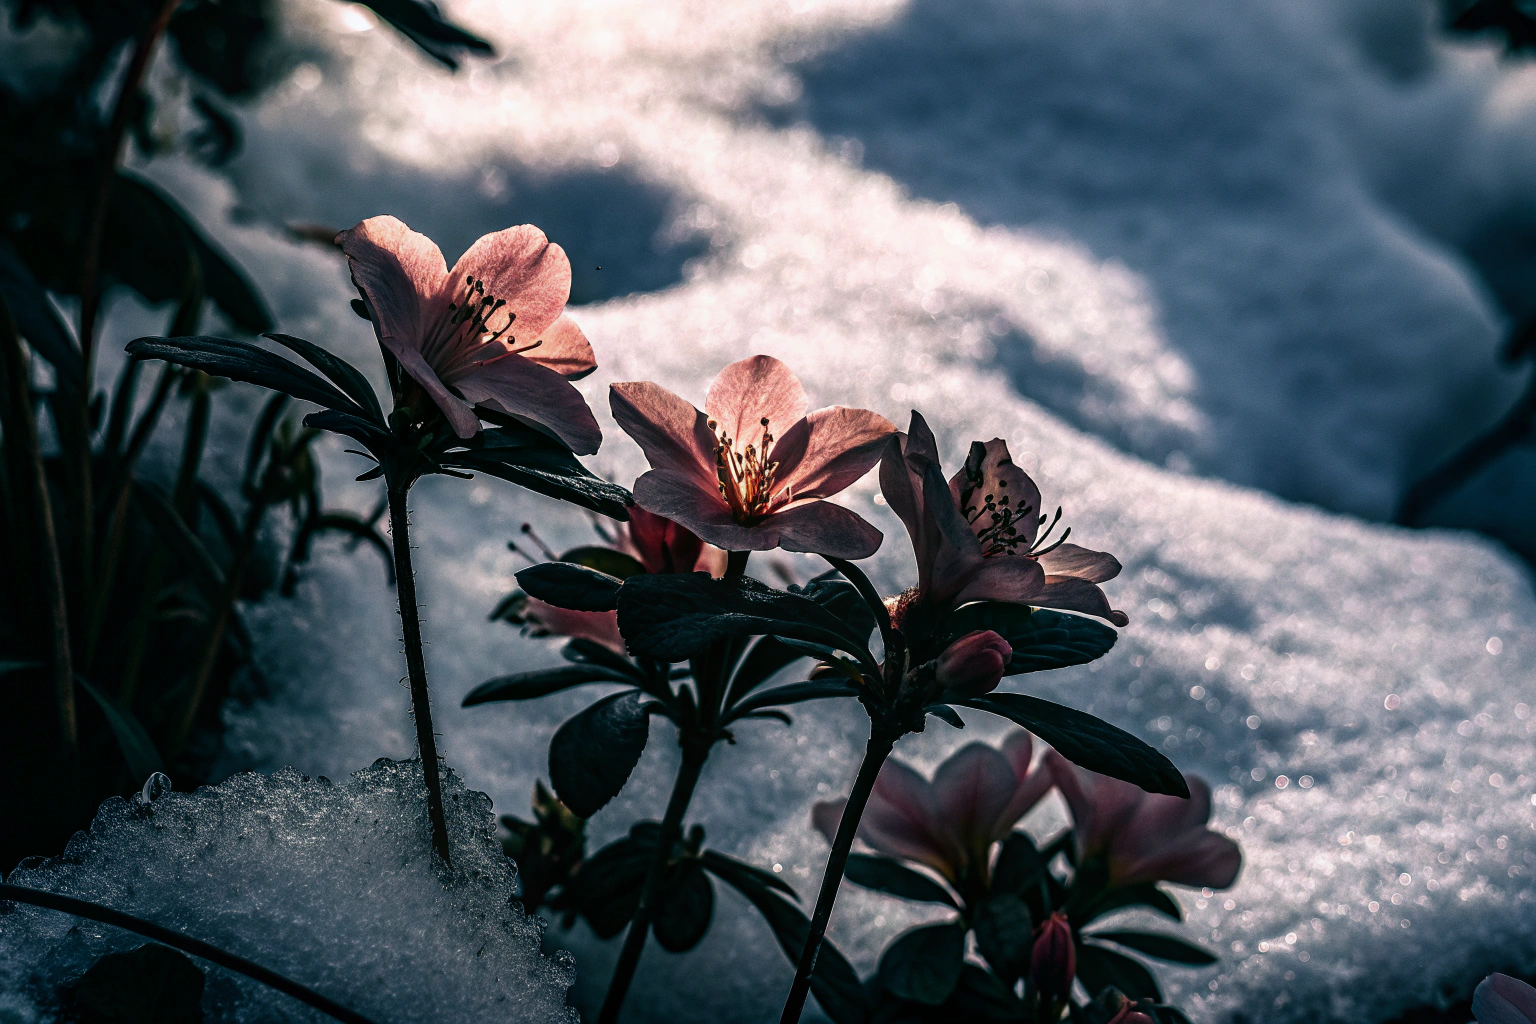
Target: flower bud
{"x": 1053, "y": 960}
{"x": 974, "y": 664}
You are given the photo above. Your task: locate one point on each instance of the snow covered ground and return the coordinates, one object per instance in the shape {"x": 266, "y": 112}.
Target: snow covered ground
{"x": 1197, "y": 261}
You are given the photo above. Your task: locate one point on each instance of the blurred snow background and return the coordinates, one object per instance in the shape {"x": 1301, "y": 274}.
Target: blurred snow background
{"x": 1227, "y": 276}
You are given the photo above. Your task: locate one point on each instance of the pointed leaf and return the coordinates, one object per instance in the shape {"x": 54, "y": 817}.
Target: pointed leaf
{"x": 1098, "y": 967}
{"x": 1087, "y": 741}
{"x": 924, "y": 964}
{"x": 1041, "y": 638}
{"x": 133, "y": 740}
{"x": 765, "y": 657}
{"x": 743, "y": 876}
{"x": 834, "y": 983}
{"x": 540, "y": 683}
{"x": 1164, "y": 947}
{"x": 589, "y": 652}
{"x": 183, "y": 543}
{"x": 885, "y": 875}
{"x": 686, "y": 904}
{"x": 593, "y": 753}
{"x": 606, "y": 560}
{"x": 573, "y": 587}
{"x": 342, "y": 373}
{"x": 1019, "y": 865}
{"x": 793, "y": 693}
{"x": 551, "y": 471}
{"x": 1005, "y": 932}
{"x": 242, "y": 361}
{"x": 945, "y": 713}
{"x": 37, "y": 320}
{"x": 1142, "y": 894}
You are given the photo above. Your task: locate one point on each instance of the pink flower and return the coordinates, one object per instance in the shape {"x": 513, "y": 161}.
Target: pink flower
{"x": 973, "y": 664}
{"x": 978, "y": 537}
{"x": 491, "y": 332}
{"x": 659, "y": 545}
{"x": 1053, "y": 957}
{"x": 1145, "y": 837}
{"x": 948, "y": 824}
{"x": 1501, "y": 999}
{"x": 750, "y": 472}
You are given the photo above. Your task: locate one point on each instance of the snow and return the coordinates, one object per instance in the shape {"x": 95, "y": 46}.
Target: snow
{"x": 330, "y": 884}
{"x": 1198, "y": 262}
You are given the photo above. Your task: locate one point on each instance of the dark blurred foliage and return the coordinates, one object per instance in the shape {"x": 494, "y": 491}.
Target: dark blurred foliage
{"x": 120, "y": 634}
{"x": 1515, "y": 20}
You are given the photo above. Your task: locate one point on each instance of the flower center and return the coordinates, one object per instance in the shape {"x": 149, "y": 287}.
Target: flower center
{"x": 996, "y": 521}
{"x": 746, "y": 476}
{"x": 470, "y": 318}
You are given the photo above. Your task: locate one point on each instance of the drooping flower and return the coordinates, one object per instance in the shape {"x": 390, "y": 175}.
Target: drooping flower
{"x": 973, "y": 665}
{"x": 750, "y": 472}
{"x": 1145, "y": 837}
{"x": 948, "y": 824}
{"x": 491, "y": 332}
{"x": 1500, "y": 999}
{"x": 978, "y": 537}
{"x": 655, "y": 543}
{"x": 1053, "y": 957}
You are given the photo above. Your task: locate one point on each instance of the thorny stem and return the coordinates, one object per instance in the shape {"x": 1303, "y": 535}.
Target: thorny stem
{"x": 90, "y": 291}
{"x": 421, "y": 702}
{"x": 881, "y": 740}
{"x": 22, "y": 431}
{"x": 694, "y": 756}
{"x": 185, "y": 943}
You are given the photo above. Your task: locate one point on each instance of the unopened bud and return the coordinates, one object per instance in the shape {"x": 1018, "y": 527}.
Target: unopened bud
{"x": 1053, "y": 960}
{"x": 973, "y": 665}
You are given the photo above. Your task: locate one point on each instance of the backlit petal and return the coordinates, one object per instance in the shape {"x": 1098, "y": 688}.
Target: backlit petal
{"x": 1500, "y": 999}
{"x": 564, "y": 349}
{"x": 972, "y": 787}
{"x": 673, "y": 434}
{"x": 824, "y": 529}
{"x": 524, "y": 268}
{"x": 828, "y": 450}
{"x": 1004, "y": 578}
{"x": 460, "y": 416}
{"x": 678, "y": 497}
{"x": 529, "y": 391}
{"x": 401, "y": 274}
{"x": 989, "y": 470}
{"x": 751, "y": 390}
{"x": 1085, "y": 564}
{"x": 1076, "y": 595}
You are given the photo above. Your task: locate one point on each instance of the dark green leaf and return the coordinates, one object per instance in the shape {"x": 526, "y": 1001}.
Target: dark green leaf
{"x": 766, "y": 656}
{"x": 571, "y": 586}
{"x": 342, "y": 373}
{"x": 182, "y": 542}
{"x": 547, "y": 470}
{"x": 359, "y": 529}
{"x": 924, "y": 964}
{"x": 793, "y": 693}
{"x": 605, "y": 560}
{"x": 831, "y": 659}
{"x": 686, "y": 904}
{"x": 589, "y": 652}
{"x": 945, "y": 714}
{"x": 1164, "y": 947}
{"x": 528, "y": 685}
{"x": 37, "y": 320}
{"x": 1041, "y": 638}
{"x": 842, "y": 599}
{"x": 261, "y": 433}
{"x": 885, "y": 875}
{"x": 834, "y": 983}
{"x": 593, "y": 753}
{"x": 242, "y": 361}
{"x": 350, "y": 424}
{"x": 422, "y": 23}
{"x": 1019, "y": 865}
{"x": 980, "y": 996}
{"x": 607, "y": 886}
{"x": 133, "y": 741}
{"x": 1087, "y": 741}
{"x": 675, "y": 615}
{"x": 1098, "y": 967}
{"x": 742, "y": 876}
{"x": 1004, "y": 934}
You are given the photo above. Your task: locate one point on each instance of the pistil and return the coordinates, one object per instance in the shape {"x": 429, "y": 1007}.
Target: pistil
{"x": 746, "y": 476}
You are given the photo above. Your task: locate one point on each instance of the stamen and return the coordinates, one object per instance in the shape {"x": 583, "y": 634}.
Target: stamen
{"x": 746, "y": 475}
{"x": 544, "y": 549}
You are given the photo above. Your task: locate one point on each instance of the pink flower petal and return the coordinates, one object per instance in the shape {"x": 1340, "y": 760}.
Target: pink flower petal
{"x": 529, "y": 391}
{"x": 1074, "y": 595}
{"x": 523, "y": 267}
{"x": 972, "y": 787}
{"x": 460, "y": 416}
{"x": 826, "y": 815}
{"x": 1500, "y": 999}
{"x": 601, "y": 627}
{"x": 822, "y": 528}
{"x": 1072, "y": 560}
{"x": 1015, "y": 580}
{"x": 1029, "y": 788}
{"x": 751, "y": 390}
{"x": 673, "y": 434}
{"x": 996, "y": 475}
{"x": 903, "y": 820}
{"x": 828, "y": 450}
{"x": 662, "y": 545}
{"x": 564, "y": 349}
{"x": 401, "y": 274}
{"x": 680, "y": 498}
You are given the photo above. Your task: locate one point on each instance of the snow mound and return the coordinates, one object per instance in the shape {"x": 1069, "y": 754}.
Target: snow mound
{"x": 331, "y": 884}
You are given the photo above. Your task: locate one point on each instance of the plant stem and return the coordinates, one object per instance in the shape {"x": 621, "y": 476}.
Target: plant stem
{"x": 22, "y": 430}
{"x": 185, "y": 943}
{"x": 90, "y": 273}
{"x": 216, "y": 629}
{"x": 880, "y": 743}
{"x": 694, "y": 756}
{"x": 421, "y": 701}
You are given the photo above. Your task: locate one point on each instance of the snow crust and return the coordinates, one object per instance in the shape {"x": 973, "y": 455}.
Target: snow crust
{"x": 331, "y": 884}
{"x": 1194, "y": 260}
